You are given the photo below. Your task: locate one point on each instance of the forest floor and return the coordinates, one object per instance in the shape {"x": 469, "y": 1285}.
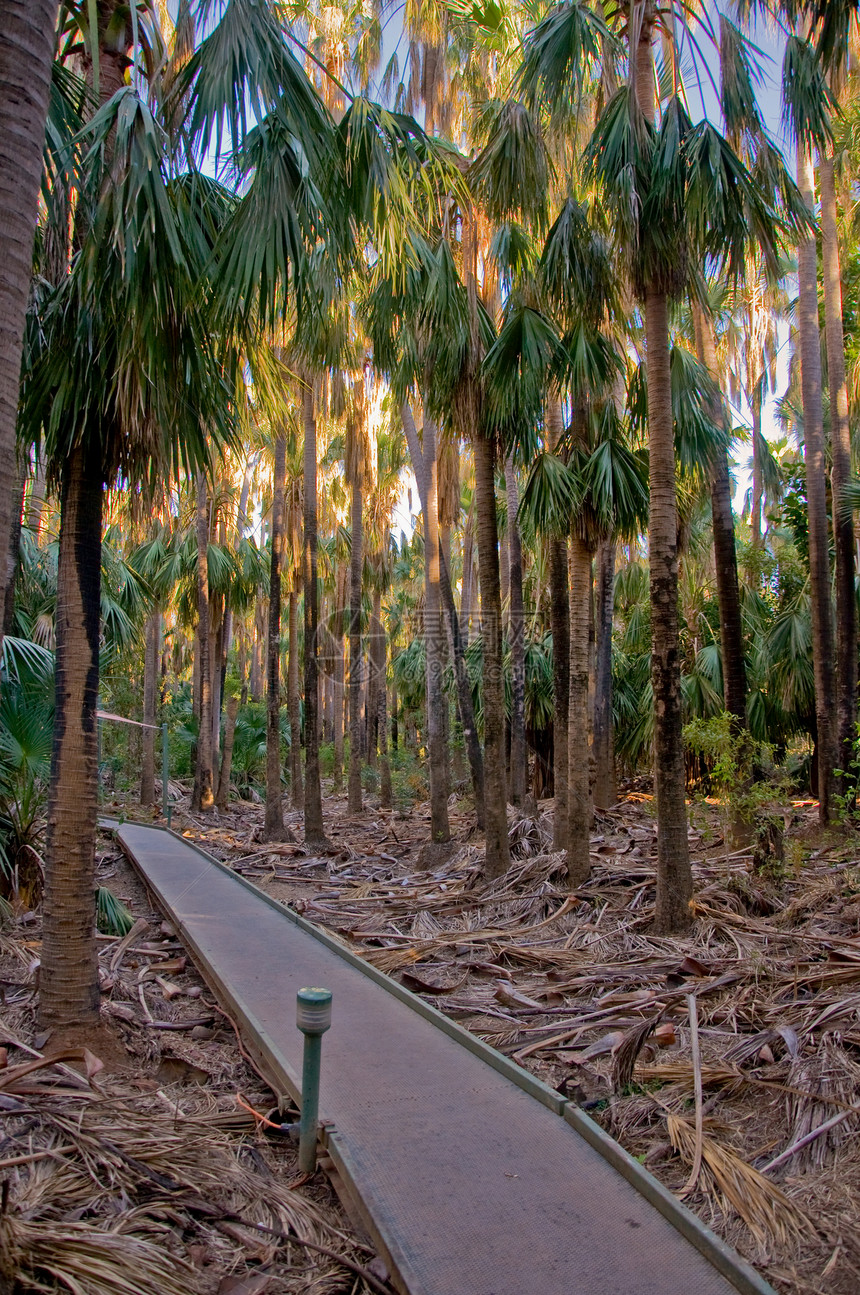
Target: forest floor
{"x": 727, "y": 1061}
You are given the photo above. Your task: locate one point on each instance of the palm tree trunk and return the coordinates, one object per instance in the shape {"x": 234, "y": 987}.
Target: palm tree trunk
{"x": 758, "y": 470}
{"x": 255, "y": 682}
{"x": 203, "y": 796}
{"x": 725, "y": 556}
{"x": 467, "y": 597}
{"x": 69, "y": 987}
{"x": 578, "y": 783}
{"x": 674, "y": 876}
{"x": 560, "y": 626}
{"x": 355, "y": 565}
{"x": 274, "y": 825}
{"x": 840, "y": 472}
{"x": 13, "y": 555}
{"x": 223, "y": 797}
{"x": 425, "y": 463}
{"x": 495, "y": 789}
{"x": 314, "y": 831}
{"x": 823, "y": 646}
{"x": 26, "y": 52}
{"x": 604, "y": 737}
{"x": 465, "y": 705}
{"x": 373, "y": 679}
{"x": 338, "y": 717}
{"x": 379, "y": 646}
{"x": 151, "y": 655}
{"x": 294, "y": 706}
{"x": 519, "y": 751}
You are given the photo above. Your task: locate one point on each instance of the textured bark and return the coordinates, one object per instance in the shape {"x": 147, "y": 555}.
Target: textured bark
{"x": 519, "y": 751}
{"x": 725, "y": 556}
{"x": 823, "y": 646}
{"x": 425, "y": 462}
{"x": 578, "y": 782}
{"x": 379, "y": 654}
{"x": 465, "y": 705}
{"x": 674, "y": 877}
{"x": 604, "y": 736}
{"x": 560, "y": 625}
{"x": 294, "y": 705}
{"x": 314, "y": 832}
{"x": 840, "y": 472}
{"x": 338, "y": 716}
{"x": 69, "y": 987}
{"x": 203, "y": 797}
{"x": 26, "y": 52}
{"x": 495, "y": 789}
{"x": 151, "y": 657}
{"x": 223, "y": 796}
{"x": 13, "y": 555}
{"x": 356, "y": 557}
{"x": 467, "y": 597}
{"x": 274, "y": 824}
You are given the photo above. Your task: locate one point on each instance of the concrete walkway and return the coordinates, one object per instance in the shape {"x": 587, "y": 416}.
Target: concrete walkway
{"x": 472, "y": 1177}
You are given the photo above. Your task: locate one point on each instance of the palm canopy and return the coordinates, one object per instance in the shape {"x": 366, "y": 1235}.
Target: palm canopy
{"x": 123, "y": 358}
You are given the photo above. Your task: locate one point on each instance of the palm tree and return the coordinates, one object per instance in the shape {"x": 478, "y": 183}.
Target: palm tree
{"x": 274, "y": 825}
{"x": 690, "y": 197}
{"x": 805, "y": 117}
{"x": 356, "y": 475}
{"x": 314, "y": 829}
{"x": 26, "y": 54}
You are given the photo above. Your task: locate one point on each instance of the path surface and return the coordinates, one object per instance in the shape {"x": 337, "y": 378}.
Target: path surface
{"x": 468, "y": 1182}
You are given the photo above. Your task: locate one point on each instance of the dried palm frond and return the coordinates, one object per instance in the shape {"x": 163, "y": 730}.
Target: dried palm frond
{"x": 831, "y": 1075}
{"x": 766, "y": 1211}
{"x": 44, "y": 1254}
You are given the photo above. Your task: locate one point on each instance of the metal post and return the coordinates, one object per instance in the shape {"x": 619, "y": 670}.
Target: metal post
{"x": 166, "y": 807}
{"x": 313, "y": 1017}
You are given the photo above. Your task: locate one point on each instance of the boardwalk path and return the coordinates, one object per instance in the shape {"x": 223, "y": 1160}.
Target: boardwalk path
{"x": 473, "y": 1178}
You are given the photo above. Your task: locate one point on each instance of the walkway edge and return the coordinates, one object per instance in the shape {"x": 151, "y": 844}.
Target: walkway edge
{"x": 723, "y": 1258}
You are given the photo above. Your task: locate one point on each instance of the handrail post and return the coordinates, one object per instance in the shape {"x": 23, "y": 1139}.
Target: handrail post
{"x": 313, "y": 1017}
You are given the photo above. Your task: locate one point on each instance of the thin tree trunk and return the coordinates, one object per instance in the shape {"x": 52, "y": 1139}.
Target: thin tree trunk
{"x": 151, "y": 654}
{"x": 26, "y": 53}
{"x": 578, "y": 784}
{"x": 495, "y": 789}
{"x": 758, "y": 471}
{"x": 604, "y": 736}
{"x": 36, "y": 501}
{"x": 725, "y": 556}
{"x": 13, "y": 556}
{"x": 379, "y": 648}
{"x": 425, "y": 463}
{"x": 69, "y": 986}
{"x": 373, "y": 679}
{"x": 338, "y": 718}
{"x": 223, "y": 796}
{"x": 203, "y": 797}
{"x": 354, "y": 799}
{"x": 840, "y": 472}
{"x": 294, "y": 704}
{"x": 467, "y": 597}
{"x": 274, "y": 825}
{"x": 519, "y": 750}
{"x": 674, "y": 876}
{"x": 823, "y": 646}
{"x": 465, "y": 705}
{"x": 395, "y": 731}
{"x": 314, "y": 831}
{"x": 255, "y": 683}
{"x": 560, "y": 626}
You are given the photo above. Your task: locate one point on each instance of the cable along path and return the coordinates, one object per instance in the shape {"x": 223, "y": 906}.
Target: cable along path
{"x": 472, "y": 1177}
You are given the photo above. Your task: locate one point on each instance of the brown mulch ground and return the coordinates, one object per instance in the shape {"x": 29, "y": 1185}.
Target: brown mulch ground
{"x": 130, "y": 1168}
{"x": 727, "y": 1061}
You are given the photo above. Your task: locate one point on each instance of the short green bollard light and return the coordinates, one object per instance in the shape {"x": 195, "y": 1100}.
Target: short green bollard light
{"x": 313, "y": 1017}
